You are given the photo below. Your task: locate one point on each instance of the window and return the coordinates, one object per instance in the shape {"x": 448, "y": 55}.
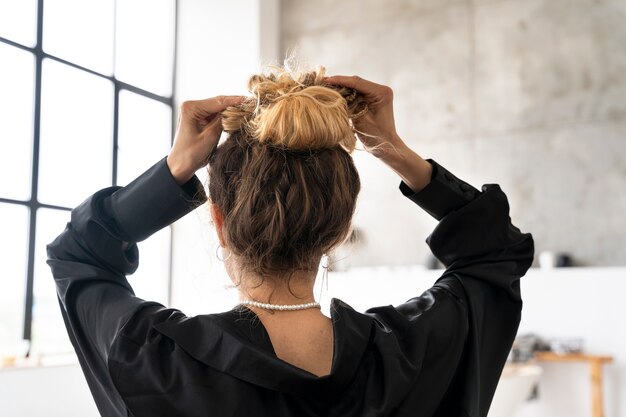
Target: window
{"x": 85, "y": 103}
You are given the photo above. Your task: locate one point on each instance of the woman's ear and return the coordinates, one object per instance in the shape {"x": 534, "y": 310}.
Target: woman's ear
{"x": 218, "y": 221}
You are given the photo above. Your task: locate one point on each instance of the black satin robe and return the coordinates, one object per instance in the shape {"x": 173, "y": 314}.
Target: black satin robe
{"x": 439, "y": 354}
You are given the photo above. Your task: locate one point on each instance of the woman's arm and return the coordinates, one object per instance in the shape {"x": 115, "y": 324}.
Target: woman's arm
{"x": 469, "y": 318}
{"x": 89, "y": 262}
{"x": 90, "y": 259}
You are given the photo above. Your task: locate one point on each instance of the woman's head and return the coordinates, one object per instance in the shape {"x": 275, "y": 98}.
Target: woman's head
{"x": 284, "y": 181}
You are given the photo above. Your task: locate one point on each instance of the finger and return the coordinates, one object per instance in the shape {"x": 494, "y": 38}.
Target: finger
{"x": 216, "y": 104}
{"x": 214, "y": 127}
{"x": 358, "y": 83}
{"x": 195, "y": 115}
{"x": 178, "y": 121}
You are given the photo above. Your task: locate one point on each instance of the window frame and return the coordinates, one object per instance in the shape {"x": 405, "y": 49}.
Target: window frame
{"x": 32, "y": 203}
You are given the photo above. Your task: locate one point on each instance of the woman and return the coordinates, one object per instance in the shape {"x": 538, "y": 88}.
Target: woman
{"x": 283, "y": 190}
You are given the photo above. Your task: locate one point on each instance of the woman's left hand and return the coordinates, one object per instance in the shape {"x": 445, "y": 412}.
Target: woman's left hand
{"x": 199, "y": 130}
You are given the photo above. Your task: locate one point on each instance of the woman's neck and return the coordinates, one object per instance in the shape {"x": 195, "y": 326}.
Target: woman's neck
{"x": 296, "y": 288}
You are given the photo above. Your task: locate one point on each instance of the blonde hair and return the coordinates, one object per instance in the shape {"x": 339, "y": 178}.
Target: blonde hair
{"x": 297, "y": 110}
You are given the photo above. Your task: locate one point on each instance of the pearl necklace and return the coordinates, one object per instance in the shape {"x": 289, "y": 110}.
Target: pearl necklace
{"x": 279, "y": 307}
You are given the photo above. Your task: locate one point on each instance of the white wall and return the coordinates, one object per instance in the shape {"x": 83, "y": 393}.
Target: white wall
{"x": 220, "y": 45}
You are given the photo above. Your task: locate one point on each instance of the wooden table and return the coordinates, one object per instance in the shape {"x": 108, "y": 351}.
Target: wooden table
{"x": 595, "y": 370}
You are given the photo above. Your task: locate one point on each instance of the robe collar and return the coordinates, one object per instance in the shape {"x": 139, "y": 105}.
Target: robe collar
{"x": 236, "y": 343}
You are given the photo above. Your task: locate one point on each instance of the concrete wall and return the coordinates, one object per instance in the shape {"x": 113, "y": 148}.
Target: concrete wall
{"x": 530, "y": 94}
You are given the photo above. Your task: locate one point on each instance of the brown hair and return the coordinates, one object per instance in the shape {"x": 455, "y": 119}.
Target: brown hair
{"x": 284, "y": 178}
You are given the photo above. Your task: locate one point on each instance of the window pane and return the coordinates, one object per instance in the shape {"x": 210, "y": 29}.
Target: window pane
{"x": 150, "y": 282}
{"x": 81, "y": 32}
{"x": 18, "y": 21}
{"x": 14, "y": 249}
{"x": 48, "y": 331}
{"x": 76, "y": 134}
{"x": 143, "y": 136}
{"x": 144, "y": 44}
{"x": 16, "y": 121}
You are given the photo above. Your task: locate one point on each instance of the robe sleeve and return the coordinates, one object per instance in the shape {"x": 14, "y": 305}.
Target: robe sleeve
{"x": 92, "y": 256}
{"x": 485, "y": 255}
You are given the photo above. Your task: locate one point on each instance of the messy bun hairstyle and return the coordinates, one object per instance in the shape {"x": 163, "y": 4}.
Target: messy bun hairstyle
{"x": 284, "y": 179}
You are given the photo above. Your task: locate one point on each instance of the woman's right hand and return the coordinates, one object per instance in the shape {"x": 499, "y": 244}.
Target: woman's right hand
{"x": 376, "y": 129}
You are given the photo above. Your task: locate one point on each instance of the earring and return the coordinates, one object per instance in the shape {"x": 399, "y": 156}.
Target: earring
{"x": 217, "y": 253}
{"x": 325, "y": 264}
{"x": 325, "y": 261}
